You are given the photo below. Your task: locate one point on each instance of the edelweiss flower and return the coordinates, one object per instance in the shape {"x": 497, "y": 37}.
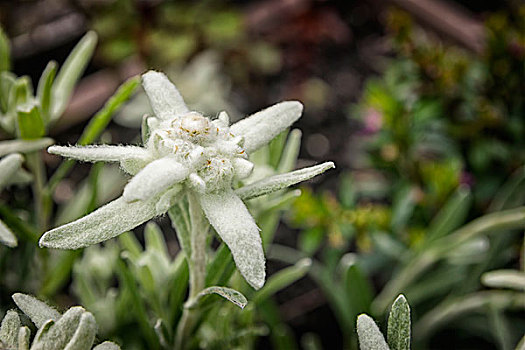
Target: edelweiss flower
{"x": 185, "y": 151}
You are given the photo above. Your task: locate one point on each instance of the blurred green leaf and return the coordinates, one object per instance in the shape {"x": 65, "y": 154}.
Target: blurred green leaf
{"x": 5, "y": 55}
{"x": 7, "y": 80}
{"x": 44, "y": 90}
{"x": 23, "y": 146}
{"x": 70, "y": 73}
{"x": 20, "y": 93}
{"x": 30, "y": 123}
{"x": 398, "y": 334}
{"x": 290, "y": 152}
{"x": 402, "y": 207}
{"x": 282, "y": 279}
{"x": 512, "y": 279}
{"x": 358, "y": 290}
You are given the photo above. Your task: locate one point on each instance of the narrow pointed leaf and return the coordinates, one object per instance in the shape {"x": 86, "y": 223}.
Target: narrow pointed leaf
{"x": 398, "y": 334}
{"x": 106, "y": 222}
{"x": 237, "y": 228}
{"x": 260, "y": 128}
{"x": 513, "y": 279}
{"x": 9, "y": 329}
{"x": 290, "y": 152}
{"x": 61, "y": 332}
{"x": 20, "y": 92}
{"x": 30, "y": 123}
{"x": 23, "y": 146}
{"x": 227, "y": 293}
{"x": 43, "y": 91}
{"x": 84, "y": 334}
{"x": 7, "y": 80}
{"x": 38, "y": 311}
{"x": 155, "y": 178}
{"x": 24, "y": 338}
{"x": 370, "y": 337}
{"x": 71, "y": 72}
{"x": 7, "y": 237}
{"x": 102, "y": 153}
{"x": 278, "y": 182}
{"x": 8, "y": 167}
{"x": 100, "y": 121}
{"x": 164, "y": 97}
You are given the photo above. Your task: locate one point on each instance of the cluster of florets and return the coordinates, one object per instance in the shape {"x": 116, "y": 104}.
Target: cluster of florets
{"x": 214, "y": 154}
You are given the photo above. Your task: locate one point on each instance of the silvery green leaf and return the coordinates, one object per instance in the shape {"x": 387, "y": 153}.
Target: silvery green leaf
{"x": 23, "y": 146}
{"x": 20, "y": 93}
{"x": 102, "y": 153}
{"x": 84, "y": 334}
{"x": 70, "y": 73}
{"x": 230, "y": 294}
{"x": 260, "y": 128}
{"x": 370, "y": 337}
{"x": 398, "y": 334}
{"x": 282, "y": 279}
{"x": 24, "y": 338}
{"x": 277, "y": 182}
{"x": 107, "y": 345}
{"x": 106, "y": 222}
{"x": 290, "y": 152}
{"x": 236, "y": 227}
{"x": 38, "y": 311}
{"x": 8, "y": 167}
{"x": 155, "y": 178}
{"x": 165, "y": 99}
{"x": 154, "y": 239}
{"x": 43, "y": 91}
{"x": 61, "y": 331}
{"x": 521, "y": 344}
{"x": 6, "y": 236}
{"x": 5, "y": 56}
{"x": 42, "y": 331}
{"x": 9, "y": 329}
{"x": 513, "y": 279}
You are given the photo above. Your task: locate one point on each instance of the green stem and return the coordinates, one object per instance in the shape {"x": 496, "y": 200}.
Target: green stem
{"x": 197, "y": 271}
{"x": 36, "y": 165}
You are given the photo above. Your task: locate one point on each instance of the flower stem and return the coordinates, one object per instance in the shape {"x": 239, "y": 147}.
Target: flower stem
{"x": 197, "y": 270}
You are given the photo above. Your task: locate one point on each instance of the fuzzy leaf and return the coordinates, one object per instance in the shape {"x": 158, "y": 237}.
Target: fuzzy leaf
{"x": 107, "y": 345}
{"x": 260, "y": 128}
{"x": 8, "y": 167}
{"x": 61, "y": 331}
{"x": 9, "y": 329}
{"x": 163, "y": 96}
{"x": 102, "y": 153}
{"x": 70, "y": 73}
{"x": 24, "y": 338}
{"x": 23, "y": 146}
{"x": 237, "y": 228}
{"x": 38, "y": 311}
{"x": 106, "y": 222}
{"x": 398, "y": 334}
{"x": 370, "y": 337}
{"x": 278, "y": 182}
{"x": 227, "y": 293}
{"x": 43, "y": 91}
{"x": 7, "y": 237}
{"x": 155, "y": 178}
{"x": 30, "y": 123}
{"x": 84, "y": 334}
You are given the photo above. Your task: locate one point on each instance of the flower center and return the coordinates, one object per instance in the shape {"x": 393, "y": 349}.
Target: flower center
{"x": 207, "y": 147}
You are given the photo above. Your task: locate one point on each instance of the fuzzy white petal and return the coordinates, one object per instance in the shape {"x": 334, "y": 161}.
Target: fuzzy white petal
{"x": 163, "y": 96}
{"x": 237, "y": 228}
{"x": 106, "y": 222}
{"x": 6, "y": 236}
{"x": 243, "y": 167}
{"x": 156, "y": 177}
{"x": 102, "y": 153}
{"x": 8, "y": 167}
{"x": 261, "y": 127}
{"x": 277, "y": 182}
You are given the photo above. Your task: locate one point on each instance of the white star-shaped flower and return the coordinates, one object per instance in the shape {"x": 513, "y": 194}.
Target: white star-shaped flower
{"x": 185, "y": 151}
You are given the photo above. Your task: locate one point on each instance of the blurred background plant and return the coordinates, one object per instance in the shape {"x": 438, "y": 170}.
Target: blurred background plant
{"x": 424, "y": 118}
